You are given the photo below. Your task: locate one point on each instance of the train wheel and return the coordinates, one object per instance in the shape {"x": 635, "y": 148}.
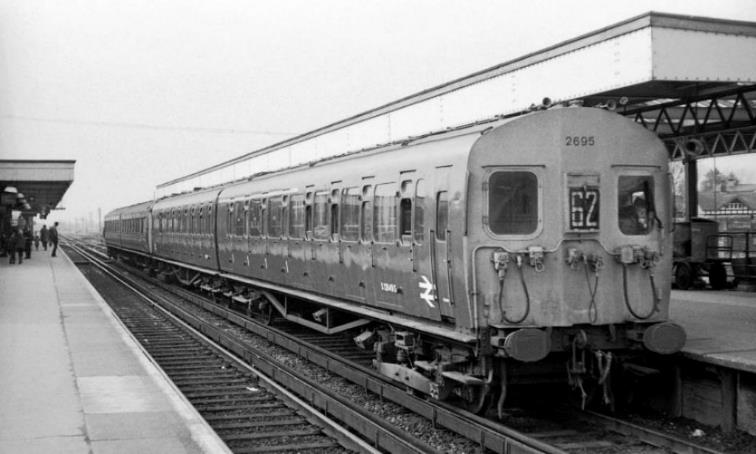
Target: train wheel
{"x": 684, "y": 276}
{"x": 717, "y": 276}
{"x": 268, "y": 315}
{"x": 476, "y": 398}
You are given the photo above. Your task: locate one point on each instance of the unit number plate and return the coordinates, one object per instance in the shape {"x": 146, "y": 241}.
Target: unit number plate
{"x": 584, "y": 208}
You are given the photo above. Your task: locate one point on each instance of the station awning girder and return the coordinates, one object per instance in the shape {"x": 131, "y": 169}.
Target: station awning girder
{"x": 717, "y": 123}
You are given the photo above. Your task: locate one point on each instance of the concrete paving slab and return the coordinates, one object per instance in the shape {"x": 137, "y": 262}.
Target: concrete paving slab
{"x": 124, "y": 426}
{"x": 97, "y": 360}
{"x": 120, "y": 394}
{"x": 142, "y": 446}
{"x": 57, "y": 445}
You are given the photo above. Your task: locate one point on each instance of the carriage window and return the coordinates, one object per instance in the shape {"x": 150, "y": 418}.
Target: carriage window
{"x": 297, "y": 217}
{"x": 255, "y": 217}
{"x": 442, "y": 215}
{"x": 321, "y": 231}
{"x": 209, "y": 219}
{"x": 366, "y": 221}
{"x": 405, "y": 217}
{"x": 513, "y": 203}
{"x": 384, "y": 209}
{"x": 275, "y": 218}
{"x": 239, "y": 219}
{"x": 308, "y": 221}
{"x": 419, "y": 220}
{"x": 350, "y": 215}
{"x": 636, "y": 204}
{"x": 284, "y": 217}
{"x": 334, "y": 221}
{"x": 230, "y": 220}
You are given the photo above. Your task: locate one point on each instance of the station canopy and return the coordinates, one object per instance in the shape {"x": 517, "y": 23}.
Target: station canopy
{"x": 682, "y": 77}
{"x": 34, "y": 186}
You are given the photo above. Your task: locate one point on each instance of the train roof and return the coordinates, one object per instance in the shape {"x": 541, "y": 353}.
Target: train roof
{"x": 137, "y": 208}
{"x": 189, "y": 198}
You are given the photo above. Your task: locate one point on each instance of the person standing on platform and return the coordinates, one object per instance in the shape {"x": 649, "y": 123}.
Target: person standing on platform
{"x": 5, "y": 247}
{"x": 36, "y": 241}
{"x": 44, "y": 236}
{"x": 17, "y": 242}
{"x": 53, "y": 233}
{"x": 27, "y": 241}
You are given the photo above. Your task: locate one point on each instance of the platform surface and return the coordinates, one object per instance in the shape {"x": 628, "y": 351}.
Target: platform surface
{"x": 72, "y": 380}
{"x": 721, "y": 326}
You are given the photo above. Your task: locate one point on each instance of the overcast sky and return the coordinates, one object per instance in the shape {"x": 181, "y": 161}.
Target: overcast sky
{"x": 143, "y": 91}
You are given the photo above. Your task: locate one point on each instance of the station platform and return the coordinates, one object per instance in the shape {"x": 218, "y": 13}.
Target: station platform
{"x": 721, "y": 326}
{"x": 73, "y": 380}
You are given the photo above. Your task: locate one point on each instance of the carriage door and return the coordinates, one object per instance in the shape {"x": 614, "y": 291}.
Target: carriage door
{"x": 441, "y": 241}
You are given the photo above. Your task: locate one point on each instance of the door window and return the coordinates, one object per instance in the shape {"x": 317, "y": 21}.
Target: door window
{"x": 442, "y": 215}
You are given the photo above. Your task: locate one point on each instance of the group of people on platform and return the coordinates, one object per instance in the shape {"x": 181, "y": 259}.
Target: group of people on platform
{"x": 19, "y": 242}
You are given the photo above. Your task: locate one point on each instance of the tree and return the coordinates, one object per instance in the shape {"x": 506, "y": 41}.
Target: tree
{"x": 714, "y": 179}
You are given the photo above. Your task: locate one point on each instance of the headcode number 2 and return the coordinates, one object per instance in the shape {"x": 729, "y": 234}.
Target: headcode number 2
{"x": 579, "y": 141}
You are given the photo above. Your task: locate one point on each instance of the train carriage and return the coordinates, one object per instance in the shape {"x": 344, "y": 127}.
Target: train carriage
{"x": 359, "y": 229}
{"x": 128, "y": 228}
{"x": 183, "y": 230}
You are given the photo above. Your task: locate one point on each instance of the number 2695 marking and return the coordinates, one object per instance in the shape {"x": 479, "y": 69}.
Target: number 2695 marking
{"x": 579, "y": 141}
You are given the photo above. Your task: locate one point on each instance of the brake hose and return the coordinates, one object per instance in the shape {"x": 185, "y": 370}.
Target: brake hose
{"x": 654, "y": 309}
{"x": 527, "y": 298}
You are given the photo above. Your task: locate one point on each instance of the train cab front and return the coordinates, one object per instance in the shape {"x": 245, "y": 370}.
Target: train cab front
{"x": 572, "y": 259}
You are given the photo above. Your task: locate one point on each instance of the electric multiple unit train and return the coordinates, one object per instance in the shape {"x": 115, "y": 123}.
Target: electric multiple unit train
{"x": 536, "y": 248}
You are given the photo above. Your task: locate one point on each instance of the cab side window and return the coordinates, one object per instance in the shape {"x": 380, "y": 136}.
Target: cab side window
{"x": 636, "y": 211}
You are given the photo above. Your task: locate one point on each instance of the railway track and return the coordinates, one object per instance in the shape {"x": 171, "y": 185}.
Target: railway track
{"x": 566, "y": 433}
{"x": 250, "y": 411}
